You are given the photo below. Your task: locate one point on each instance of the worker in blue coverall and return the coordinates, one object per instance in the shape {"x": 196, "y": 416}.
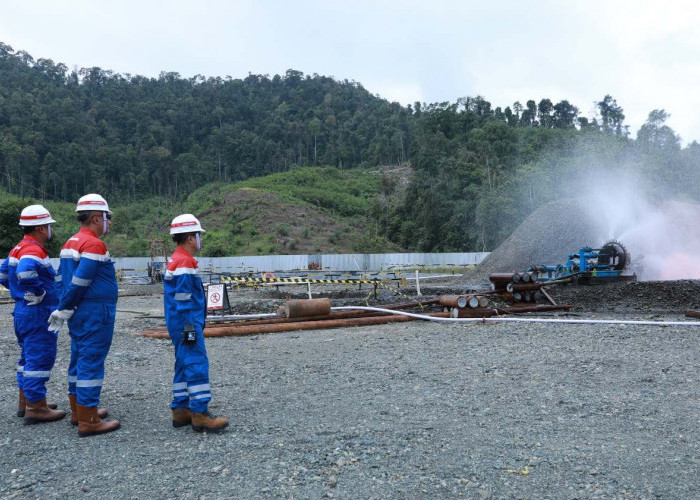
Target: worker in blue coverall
{"x": 185, "y": 313}
{"x": 28, "y": 273}
{"x": 88, "y": 303}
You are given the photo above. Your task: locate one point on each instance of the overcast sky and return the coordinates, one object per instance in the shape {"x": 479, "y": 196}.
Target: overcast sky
{"x": 646, "y": 54}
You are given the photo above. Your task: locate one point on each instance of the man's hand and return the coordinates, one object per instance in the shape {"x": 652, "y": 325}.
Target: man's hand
{"x": 57, "y": 318}
{"x": 32, "y": 299}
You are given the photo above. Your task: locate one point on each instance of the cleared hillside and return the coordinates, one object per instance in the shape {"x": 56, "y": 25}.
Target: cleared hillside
{"x": 304, "y": 210}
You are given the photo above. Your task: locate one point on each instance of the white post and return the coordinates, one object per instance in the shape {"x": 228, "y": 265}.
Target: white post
{"x": 308, "y": 283}
{"x": 417, "y": 285}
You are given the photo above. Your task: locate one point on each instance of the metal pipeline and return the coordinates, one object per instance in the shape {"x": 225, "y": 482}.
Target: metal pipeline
{"x": 396, "y": 316}
{"x": 307, "y": 307}
{"x": 454, "y": 300}
{"x": 278, "y": 320}
{"x": 500, "y": 280}
{"x": 279, "y": 317}
{"x": 530, "y": 320}
{"x": 479, "y": 312}
{"x": 239, "y": 330}
{"x": 523, "y": 287}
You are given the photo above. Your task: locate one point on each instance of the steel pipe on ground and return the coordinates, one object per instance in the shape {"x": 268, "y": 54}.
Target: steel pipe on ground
{"x": 499, "y": 281}
{"x": 454, "y": 300}
{"x": 523, "y": 287}
{"x": 307, "y": 307}
{"x": 479, "y": 312}
{"x": 272, "y": 321}
{"x": 239, "y": 330}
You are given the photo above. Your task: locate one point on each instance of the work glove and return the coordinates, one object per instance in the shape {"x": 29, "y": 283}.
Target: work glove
{"x": 58, "y": 317}
{"x": 33, "y": 299}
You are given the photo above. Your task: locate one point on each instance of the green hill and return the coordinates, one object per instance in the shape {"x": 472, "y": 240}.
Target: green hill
{"x": 304, "y": 210}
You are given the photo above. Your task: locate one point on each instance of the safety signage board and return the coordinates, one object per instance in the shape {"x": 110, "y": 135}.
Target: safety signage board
{"x": 217, "y": 297}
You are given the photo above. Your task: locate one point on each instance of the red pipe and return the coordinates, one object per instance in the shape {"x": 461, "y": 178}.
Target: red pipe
{"x": 239, "y": 330}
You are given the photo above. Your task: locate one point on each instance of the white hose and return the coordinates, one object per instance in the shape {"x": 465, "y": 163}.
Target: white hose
{"x": 522, "y": 320}
{"x": 241, "y": 316}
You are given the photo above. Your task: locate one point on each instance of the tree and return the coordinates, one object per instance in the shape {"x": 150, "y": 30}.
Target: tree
{"x": 655, "y": 136}
{"x": 315, "y": 128}
{"x": 564, "y": 114}
{"x": 612, "y": 116}
{"x": 544, "y": 112}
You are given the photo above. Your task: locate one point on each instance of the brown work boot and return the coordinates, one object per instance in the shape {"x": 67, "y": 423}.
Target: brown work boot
{"x": 39, "y": 412}
{"x": 101, "y": 412}
{"x": 181, "y": 417}
{"x": 89, "y": 423}
{"x": 21, "y": 406}
{"x": 205, "y": 421}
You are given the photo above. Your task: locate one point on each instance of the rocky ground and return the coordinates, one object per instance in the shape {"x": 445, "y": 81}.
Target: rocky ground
{"x": 410, "y": 410}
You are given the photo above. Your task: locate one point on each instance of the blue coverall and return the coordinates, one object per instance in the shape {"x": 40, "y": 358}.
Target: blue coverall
{"x": 185, "y": 304}
{"x": 28, "y": 269}
{"x": 89, "y": 287}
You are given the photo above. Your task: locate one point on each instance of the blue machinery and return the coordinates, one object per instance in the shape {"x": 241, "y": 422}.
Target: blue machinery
{"x": 591, "y": 265}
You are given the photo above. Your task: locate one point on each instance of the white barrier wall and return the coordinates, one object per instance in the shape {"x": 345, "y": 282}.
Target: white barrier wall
{"x": 334, "y": 262}
{"x": 371, "y": 262}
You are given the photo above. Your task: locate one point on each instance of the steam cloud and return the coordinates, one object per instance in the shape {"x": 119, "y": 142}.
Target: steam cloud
{"x": 662, "y": 236}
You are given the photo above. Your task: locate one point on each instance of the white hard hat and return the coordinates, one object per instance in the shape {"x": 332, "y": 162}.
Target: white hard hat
{"x": 35, "y": 215}
{"x": 92, "y": 202}
{"x": 185, "y": 223}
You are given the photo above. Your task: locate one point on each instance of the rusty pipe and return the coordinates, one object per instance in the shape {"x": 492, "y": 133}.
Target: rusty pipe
{"x": 307, "y": 307}
{"x": 271, "y": 321}
{"x": 501, "y": 277}
{"x": 479, "y": 312}
{"x": 332, "y": 315}
{"x": 453, "y": 300}
{"x": 500, "y": 280}
{"x": 238, "y": 330}
{"x": 523, "y": 287}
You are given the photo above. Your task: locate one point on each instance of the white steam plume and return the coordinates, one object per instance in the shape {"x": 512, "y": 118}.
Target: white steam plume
{"x": 662, "y": 236}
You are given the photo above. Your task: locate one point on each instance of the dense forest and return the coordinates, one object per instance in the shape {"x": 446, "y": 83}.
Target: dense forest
{"x": 65, "y": 132}
{"x": 476, "y": 170}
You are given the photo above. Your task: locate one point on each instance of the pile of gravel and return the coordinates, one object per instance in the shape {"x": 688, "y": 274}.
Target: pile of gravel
{"x": 547, "y": 236}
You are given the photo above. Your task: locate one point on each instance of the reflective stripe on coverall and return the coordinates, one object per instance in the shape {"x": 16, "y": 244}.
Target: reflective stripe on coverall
{"x": 89, "y": 287}
{"x": 28, "y": 269}
{"x": 185, "y": 304}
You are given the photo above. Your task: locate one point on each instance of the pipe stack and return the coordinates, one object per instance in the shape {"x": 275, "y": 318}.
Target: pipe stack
{"x": 519, "y": 287}
{"x": 467, "y": 306}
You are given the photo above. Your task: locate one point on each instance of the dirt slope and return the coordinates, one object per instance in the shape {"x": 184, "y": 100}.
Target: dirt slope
{"x": 263, "y": 223}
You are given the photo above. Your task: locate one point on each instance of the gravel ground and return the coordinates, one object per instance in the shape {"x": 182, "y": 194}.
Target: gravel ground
{"x": 411, "y": 410}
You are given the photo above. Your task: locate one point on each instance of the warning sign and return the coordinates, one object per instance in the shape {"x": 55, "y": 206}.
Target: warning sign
{"x": 217, "y": 298}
